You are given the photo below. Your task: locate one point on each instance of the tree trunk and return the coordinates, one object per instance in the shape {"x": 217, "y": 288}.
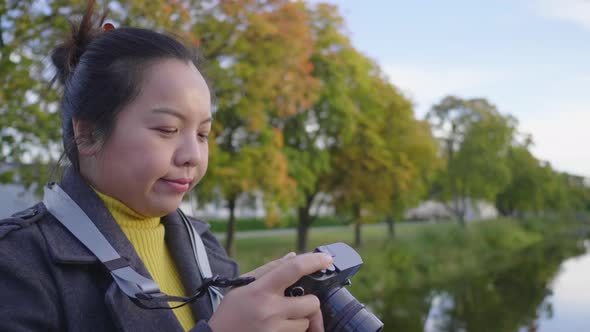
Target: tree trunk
{"x": 357, "y": 235}
{"x": 461, "y": 212}
{"x": 1, "y": 38}
{"x": 303, "y": 224}
{"x": 231, "y": 226}
{"x": 391, "y": 226}
{"x": 357, "y": 226}
{"x": 302, "y": 229}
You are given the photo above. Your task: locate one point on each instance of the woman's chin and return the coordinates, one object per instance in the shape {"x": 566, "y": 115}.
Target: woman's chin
{"x": 162, "y": 206}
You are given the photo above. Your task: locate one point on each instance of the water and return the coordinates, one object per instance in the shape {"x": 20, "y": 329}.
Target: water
{"x": 544, "y": 288}
{"x": 571, "y": 297}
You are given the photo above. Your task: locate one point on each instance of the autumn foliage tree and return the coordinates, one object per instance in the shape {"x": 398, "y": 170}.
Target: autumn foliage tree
{"x": 302, "y": 117}
{"x": 311, "y": 133}
{"x": 262, "y": 75}
{"x": 295, "y": 101}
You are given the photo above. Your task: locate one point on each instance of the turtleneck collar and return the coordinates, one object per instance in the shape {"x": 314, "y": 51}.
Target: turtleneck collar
{"x": 125, "y": 216}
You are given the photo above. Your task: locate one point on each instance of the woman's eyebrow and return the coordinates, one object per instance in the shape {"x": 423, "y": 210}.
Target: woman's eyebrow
{"x": 169, "y": 111}
{"x": 164, "y": 110}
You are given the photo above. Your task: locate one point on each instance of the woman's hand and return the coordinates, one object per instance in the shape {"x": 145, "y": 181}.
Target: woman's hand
{"x": 262, "y": 306}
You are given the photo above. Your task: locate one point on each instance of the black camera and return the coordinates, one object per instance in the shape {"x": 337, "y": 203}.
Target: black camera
{"x": 340, "y": 310}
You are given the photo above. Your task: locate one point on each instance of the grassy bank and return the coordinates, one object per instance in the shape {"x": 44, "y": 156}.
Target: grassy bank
{"x": 254, "y": 224}
{"x": 420, "y": 254}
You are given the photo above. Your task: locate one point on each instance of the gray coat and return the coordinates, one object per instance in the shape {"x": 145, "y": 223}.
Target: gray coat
{"x": 50, "y": 282}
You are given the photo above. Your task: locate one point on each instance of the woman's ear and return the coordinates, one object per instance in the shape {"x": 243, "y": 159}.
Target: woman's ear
{"x": 87, "y": 144}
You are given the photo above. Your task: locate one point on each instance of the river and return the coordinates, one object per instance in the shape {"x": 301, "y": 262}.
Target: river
{"x": 544, "y": 288}
{"x": 570, "y": 299}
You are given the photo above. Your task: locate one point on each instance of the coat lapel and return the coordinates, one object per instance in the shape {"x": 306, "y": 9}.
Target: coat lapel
{"x": 178, "y": 241}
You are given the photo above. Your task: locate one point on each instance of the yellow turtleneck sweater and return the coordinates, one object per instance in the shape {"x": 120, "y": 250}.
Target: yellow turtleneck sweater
{"x": 147, "y": 237}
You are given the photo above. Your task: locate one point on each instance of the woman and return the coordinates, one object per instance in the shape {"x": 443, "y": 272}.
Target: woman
{"x": 136, "y": 115}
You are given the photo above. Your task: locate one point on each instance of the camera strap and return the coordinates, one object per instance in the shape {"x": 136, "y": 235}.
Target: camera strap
{"x": 143, "y": 291}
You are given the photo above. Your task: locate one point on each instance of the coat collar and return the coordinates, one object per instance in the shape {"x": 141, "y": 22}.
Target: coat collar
{"x": 177, "y": 239}
{"x": 66, "y": 249}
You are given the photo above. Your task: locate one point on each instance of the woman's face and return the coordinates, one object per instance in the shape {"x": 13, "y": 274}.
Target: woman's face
{"x": 158, "y": 149}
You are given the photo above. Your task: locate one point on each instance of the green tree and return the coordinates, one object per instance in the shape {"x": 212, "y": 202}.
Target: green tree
{"x": 410, "y": 147}
{"x": 29, "y": 125}
{"x": 564, "y": 193}
{"x": 417, "y": 160}
{"x": 379, "y": 170}
{"x": 30, "y": 135}
{"x": 527, "y": 188}
{"x": 475, "y": 140}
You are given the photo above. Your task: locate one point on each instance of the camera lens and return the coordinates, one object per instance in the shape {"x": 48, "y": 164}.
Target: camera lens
{"x": 343, "y": 312}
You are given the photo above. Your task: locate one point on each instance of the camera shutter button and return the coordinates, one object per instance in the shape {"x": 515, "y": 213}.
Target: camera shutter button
{"x": 297, "y": 291}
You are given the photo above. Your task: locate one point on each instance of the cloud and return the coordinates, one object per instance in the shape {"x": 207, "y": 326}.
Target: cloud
{"x": 576, "y": 11}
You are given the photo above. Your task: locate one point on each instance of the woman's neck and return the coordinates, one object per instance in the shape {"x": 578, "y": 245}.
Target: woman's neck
{"x": 124, "y": 215}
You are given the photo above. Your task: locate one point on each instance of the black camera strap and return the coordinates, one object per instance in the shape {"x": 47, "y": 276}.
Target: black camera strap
{"x": 143, "y": 291}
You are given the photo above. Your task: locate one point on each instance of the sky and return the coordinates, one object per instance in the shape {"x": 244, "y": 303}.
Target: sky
{"x": 531, "y": 58}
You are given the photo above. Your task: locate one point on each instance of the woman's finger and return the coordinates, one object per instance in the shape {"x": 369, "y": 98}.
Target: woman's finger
{"x": 316, "y": 322}
{"x": 264, "y": 269}
{"x": 292, "y": 270}
{"x": 293, "y": 325}
{"x": 301, "y": 306}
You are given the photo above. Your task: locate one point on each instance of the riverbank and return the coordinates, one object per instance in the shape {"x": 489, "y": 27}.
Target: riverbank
{"x": 401, "y": 277}
{"x": 424, "y": 245}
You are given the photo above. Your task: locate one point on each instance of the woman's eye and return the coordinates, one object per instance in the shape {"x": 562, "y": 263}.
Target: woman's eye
{"x": 204, "y": 136}
{"x": 168, "y": 131}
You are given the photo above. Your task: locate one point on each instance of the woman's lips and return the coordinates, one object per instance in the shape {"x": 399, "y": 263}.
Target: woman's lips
{"x": 178, "y": 185}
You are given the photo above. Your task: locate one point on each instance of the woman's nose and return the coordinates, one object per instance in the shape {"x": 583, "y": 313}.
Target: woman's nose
{"x": 190, "y": 153}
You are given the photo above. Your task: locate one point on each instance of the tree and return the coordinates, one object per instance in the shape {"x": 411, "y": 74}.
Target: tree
{"x": 258, "y": 54}
{"x": 378, "y": 170}
{"x": 262, "y": 74}
{"x": 475, "y": 139}
{"x": 564, "y": 193}
{"x": 417, "y": 161}
{"x": 411, "y": 148}
{"x": 29, "y": 125}
{"x": 313, "y": 131}
{"x": 30, "y": 135}
{"x": 527, "y": 188}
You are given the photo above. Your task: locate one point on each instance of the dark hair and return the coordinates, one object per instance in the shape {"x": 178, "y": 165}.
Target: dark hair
{"x": 101, "y": 72}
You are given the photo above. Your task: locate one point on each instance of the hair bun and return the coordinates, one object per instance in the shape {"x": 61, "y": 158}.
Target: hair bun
{"x": 66, "y": 56}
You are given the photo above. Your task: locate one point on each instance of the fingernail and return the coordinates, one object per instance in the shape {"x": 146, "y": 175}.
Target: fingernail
{"x": 289, "y": 255}
{"x": 327, "y": 258}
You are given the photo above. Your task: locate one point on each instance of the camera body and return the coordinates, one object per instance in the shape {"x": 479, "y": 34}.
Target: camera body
{"x": 346, "y": 263}
{"x": 340, "y": 310}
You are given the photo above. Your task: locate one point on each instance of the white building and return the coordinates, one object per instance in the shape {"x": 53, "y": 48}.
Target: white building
{"x": 14, "y": 198}
{"x": 433, "y": 210}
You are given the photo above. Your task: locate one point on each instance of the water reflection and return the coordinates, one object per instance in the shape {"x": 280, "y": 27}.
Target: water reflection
{"x": 571, "y": 297}
{"x": 509, "y": 294}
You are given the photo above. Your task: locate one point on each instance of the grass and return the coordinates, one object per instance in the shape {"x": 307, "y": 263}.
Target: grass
{"x": 421, "y": 254}
{"x": 253, "y": 252}
{"x": 253, "y": 224}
